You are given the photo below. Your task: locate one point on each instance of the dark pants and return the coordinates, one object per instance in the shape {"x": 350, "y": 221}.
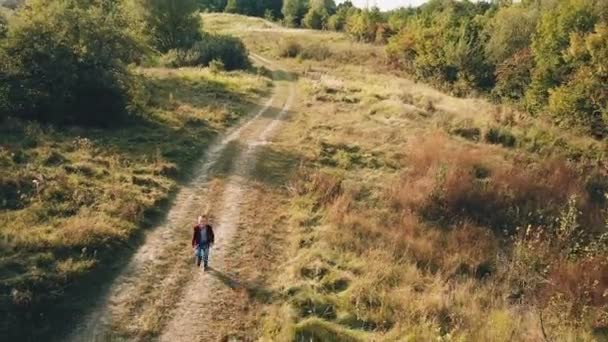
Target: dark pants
{"x": 202, "y": 253}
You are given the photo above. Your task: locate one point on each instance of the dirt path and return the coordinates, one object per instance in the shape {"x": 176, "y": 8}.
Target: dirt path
{"x": 157, "y": 293}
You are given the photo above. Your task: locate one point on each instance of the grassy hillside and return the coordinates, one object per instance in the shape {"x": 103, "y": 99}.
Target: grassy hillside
{"x": 417, "y": 216}
{"x": 73, "y": 199}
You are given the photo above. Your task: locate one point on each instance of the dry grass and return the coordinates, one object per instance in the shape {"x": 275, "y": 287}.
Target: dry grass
{"x": 408, "y": 221}
{"x": 72, "y": 198}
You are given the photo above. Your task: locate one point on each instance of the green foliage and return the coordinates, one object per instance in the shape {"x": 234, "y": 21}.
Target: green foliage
{"x": 509, "y": 32}
{"x": 444, "y": 46}
{"x": 294, "y": 11}
{"x": 212, "y": 5}
{"x": 318, "y": 14}
{"x": 500, "y": 136}
{"x": 254, "y": 8}
{"x": 66, "y": 62}
{"x": 397, "y": 19}
{"x": 336, "y": 22}
{"x": 513, "y": 76}
{"x": 362, "y": 25}
{"x": 232, "y": 6}
{"x": 549, "y": 55}
{"x": 228, "y": 50}
{"x": 550, "y": 43}
{"x": 3, "y": 26}
{"x": 173, "y": 24}
{"x": 570, "y": 75}
{"x": 316, "y": 18}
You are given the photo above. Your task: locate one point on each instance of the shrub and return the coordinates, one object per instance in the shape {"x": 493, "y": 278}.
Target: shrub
{"x": 66, "y": 62}
{"x": 449, "y": 184}
{"x": 289, "y": 49}
{"x": 230, "y": 51}
{"x": 500, "y": 136}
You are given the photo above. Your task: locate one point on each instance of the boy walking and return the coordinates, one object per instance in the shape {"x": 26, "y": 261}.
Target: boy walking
{"x": 202, "y": 239}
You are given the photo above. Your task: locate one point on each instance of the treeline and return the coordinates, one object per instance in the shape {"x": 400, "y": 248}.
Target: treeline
{"x": 71, "y": 61}
{"x": 293, "y": 13}
{"x": 548, "y": 56}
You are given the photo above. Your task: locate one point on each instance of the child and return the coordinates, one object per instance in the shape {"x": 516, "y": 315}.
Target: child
{"x": 202, "y": 240}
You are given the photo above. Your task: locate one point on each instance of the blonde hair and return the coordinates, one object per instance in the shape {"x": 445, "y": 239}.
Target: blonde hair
{"x": 201, "y": 217}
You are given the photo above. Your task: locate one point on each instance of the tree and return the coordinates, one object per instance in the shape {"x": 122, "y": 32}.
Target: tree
{"x": 513, "y": 75}
{"x": 337, "y": 22}
{"x": 271, "y": 6}
{"x": 315, "y": 18}
{"x": 551, "y": 41}
{"x": 510, "y": 31}
{"x": 173, "y": 24}
{"x": 399, "y": 18}
{"x": 232, "y": 6}
{"x": 293, "y": 11}
{"x": 328, "y": 5}
{"x": 66, "y": 62}
{"x": 362, "y": 25}
{"x": 212, "y": 5}
{"x": 3, "y": 26}
{"x": 582, "y": 100}
{"x": 345, "y": 6}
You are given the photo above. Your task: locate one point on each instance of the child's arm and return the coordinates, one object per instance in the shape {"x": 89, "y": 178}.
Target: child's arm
{"x": 194, "y": 242}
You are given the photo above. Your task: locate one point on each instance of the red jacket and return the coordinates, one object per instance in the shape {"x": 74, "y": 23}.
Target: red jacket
{"x": 196, "y": 236}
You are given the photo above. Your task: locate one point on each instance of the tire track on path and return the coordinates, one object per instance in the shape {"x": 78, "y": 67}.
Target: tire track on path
{"x": 190, "y": 321}
{"x": 97, "y": 324}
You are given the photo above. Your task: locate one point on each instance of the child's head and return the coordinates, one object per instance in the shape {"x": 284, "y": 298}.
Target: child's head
{"x": 203, "y": 219}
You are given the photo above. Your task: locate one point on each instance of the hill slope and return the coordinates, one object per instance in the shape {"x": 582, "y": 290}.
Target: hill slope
{"x": 419, "y": 216}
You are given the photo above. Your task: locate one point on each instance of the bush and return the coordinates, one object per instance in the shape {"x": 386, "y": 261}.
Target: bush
{"x": 500, "y": 136}
{"x": 66, "y": 62}
{"x": 230, "y": 51}
{"x": 289, "y": 49}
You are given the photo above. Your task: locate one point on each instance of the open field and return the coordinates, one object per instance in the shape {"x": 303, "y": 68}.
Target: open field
{"x": 419, "y": 216}
{"x": 350, "y": 203}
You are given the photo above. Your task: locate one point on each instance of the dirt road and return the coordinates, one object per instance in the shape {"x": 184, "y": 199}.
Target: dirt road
{"x": 160, "y": 293}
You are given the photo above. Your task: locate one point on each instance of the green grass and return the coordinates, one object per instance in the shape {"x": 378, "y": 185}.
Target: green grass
{"x": 74, "y": 198}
